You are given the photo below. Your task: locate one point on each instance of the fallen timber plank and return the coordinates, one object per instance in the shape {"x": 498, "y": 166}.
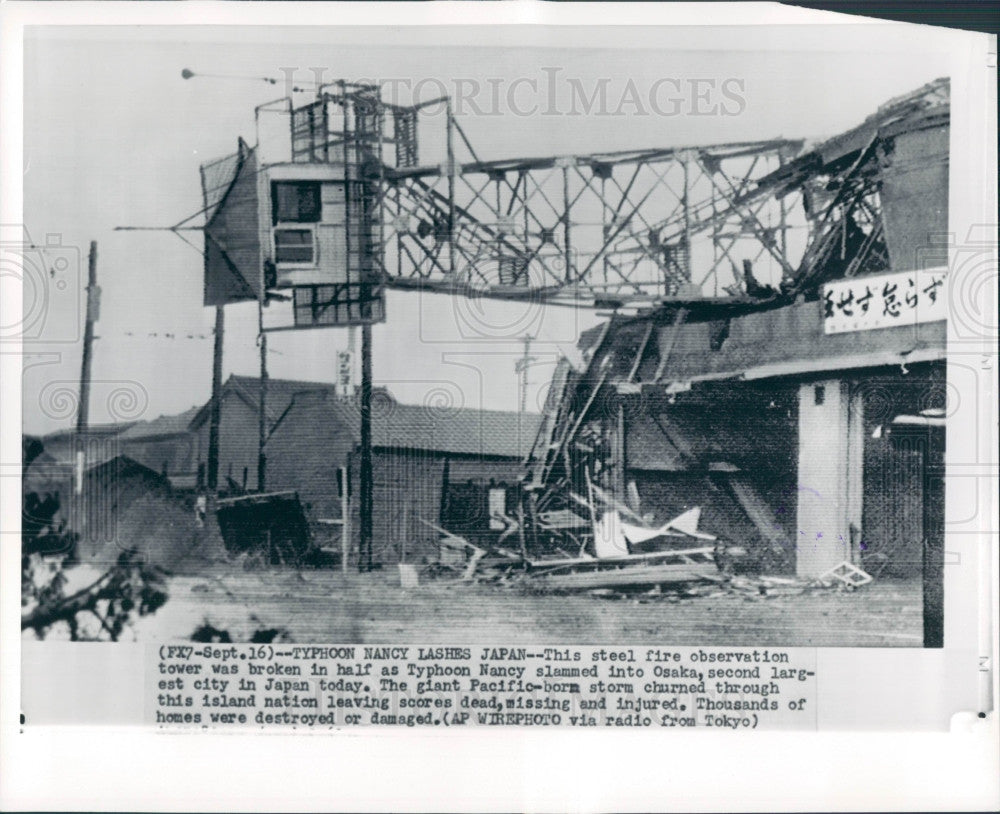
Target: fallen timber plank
{"x": 504, "y": 563}
{"x": 760, "y": 513}
{"x": 641, "y": 575}
{"x": 457, "y": 541}
{"x": 455, "y": 538}
{"x": 623, "y": 560}
{"x": 470, "y": 570}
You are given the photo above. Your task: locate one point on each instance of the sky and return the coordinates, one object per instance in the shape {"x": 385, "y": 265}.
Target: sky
{"x": 114, "y": 136}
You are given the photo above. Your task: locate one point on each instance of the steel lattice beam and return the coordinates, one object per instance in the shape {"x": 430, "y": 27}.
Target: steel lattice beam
{"x": 735, "y": 222}
{"x": 606, "y": 227}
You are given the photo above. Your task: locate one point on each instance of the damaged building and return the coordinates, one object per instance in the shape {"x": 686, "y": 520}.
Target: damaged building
{"x": 769, "y": 376}
{"x": 803, "y": 416}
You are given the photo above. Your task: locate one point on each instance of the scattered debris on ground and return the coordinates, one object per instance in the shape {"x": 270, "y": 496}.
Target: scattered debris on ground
{"x": 614, "y": 571}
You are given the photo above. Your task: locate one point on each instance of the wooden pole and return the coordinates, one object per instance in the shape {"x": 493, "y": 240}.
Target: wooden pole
{"x": 932, "y": 465}
{"x": 83, "y": 409}
{"x": 262, "y": 421}
{"x": 345, "y": 516}
{"x": 365, "y": 544}
{"x": 216, "y": 409}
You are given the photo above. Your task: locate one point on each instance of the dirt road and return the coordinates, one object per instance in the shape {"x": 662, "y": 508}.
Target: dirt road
{"x": 329, "y": 607}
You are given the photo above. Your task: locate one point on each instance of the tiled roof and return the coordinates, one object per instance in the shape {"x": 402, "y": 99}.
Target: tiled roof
{"x": 164, "y": 425}
{"x": 279, "y": 391}
{"x": 461, "y": 430}
{"x": 279, "y": 394}
{"x": 93, "y": 430}
{"x": 61, "y": 449}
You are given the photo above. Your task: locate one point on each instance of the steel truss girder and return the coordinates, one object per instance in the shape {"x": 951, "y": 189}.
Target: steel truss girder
{"x": 611, "y": 227}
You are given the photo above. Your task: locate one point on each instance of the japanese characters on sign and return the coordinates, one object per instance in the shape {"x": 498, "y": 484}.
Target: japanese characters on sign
{"x": 885, "y": 300}
{"x": 345, "y": 375}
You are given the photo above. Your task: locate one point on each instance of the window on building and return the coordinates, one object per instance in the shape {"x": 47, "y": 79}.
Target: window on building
{"x": 295, "y": 201}
{"x": 293, "y": 246}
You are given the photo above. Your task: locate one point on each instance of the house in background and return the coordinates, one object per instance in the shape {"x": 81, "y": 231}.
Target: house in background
{"x": 420, "y": 456}
{"x": 437, "y": 464}
{"x": 177, "y": 445}
{"x": 165, "y": 445}
{"x": 239, "y": 426}
{"x": 123, "y": 505}
{"x": 100, "y": 443}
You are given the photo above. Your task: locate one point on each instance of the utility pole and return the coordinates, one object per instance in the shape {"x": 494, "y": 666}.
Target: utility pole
{"x": 216, "y": 410}
{"x": 365, "y": 543}
{"x": 83, "y": 409}
{"x": 262, "y": 422}
{"x": 352, "y": 349}
{"x": 521, "y": 366}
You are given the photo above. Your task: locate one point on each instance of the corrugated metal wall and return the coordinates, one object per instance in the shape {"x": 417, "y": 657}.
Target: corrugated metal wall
{"x": 893, "y": 512}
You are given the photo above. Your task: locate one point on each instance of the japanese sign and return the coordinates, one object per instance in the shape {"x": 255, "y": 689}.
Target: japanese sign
{"x": 345, "y": 374}
{"x": 885, "y": 300}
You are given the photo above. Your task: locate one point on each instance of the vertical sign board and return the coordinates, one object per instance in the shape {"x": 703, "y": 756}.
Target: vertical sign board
{"x": 345, "y": 372}
{"x": 885, "y": 300}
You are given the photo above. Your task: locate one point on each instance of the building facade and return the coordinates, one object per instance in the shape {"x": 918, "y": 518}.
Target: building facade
{"x": 422, "y": 457}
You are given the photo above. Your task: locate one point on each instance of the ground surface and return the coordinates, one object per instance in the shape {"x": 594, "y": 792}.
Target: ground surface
{"x": 329, "y": 607}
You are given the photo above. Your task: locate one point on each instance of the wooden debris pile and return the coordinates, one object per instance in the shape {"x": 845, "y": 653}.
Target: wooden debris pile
{"x": 613, "y": 571}
{"x": 846, "y": 577}
{"x": 611, "y": 563}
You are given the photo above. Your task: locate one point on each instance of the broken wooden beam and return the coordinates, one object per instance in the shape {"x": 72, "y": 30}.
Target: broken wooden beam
{"x": 668, "y": 346}
{"x": 704, "y": 551}
{"x": 760, "y": 513}
{"x": 633, "y": 575}
{"x": 470, "y": 569}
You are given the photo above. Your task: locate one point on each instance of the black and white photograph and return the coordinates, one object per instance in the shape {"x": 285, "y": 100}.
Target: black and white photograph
{"x": 511, "y": 376}
{"x": 413, "y": 348}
